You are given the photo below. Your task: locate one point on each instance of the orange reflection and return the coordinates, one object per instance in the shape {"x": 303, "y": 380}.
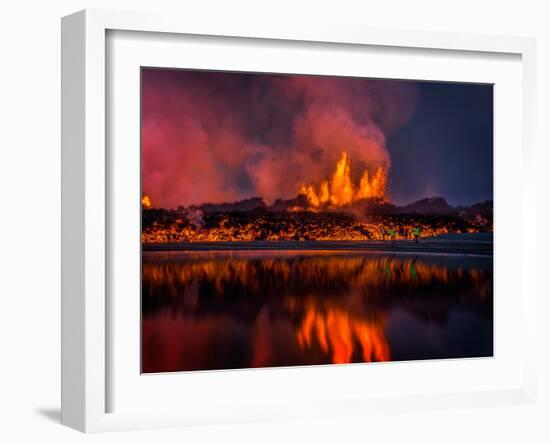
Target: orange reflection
{"x": 336, "y": 331}
{"x": 291, "y": 307}
{"x": 317, "y": 268}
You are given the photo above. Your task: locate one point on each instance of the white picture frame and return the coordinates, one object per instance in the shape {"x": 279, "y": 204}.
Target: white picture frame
{"x": 85, "y": 307}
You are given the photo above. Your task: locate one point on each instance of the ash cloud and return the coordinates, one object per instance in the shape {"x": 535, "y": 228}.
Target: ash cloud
{"x": 218, "y": 137}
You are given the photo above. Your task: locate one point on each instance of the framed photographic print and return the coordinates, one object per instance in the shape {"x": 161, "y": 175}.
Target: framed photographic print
{"x": 267, "y": 223}
{"x": 296, "y": 220}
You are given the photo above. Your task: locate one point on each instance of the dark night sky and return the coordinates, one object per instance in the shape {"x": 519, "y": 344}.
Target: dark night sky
{"x": 447, "y": 147}
{"x": 215, "y": 137}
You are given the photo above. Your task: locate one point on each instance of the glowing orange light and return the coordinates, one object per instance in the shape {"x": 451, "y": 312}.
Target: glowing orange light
{"x": 340, "y": 190}
{"x": 146, "y": 202}
{"x": 336, "y": 331}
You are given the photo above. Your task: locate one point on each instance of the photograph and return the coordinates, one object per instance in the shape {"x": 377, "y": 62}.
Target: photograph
{"x": 301, "y": 220}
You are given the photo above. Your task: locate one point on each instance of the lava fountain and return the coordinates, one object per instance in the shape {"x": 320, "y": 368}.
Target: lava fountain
{"x": 340, "y": 190}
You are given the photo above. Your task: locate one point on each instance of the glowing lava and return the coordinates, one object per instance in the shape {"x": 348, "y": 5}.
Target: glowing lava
{"x": 340, "y": 190}
{"x": 146, "y": 202}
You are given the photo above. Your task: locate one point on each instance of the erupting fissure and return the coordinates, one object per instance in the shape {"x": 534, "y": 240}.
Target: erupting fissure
{"x": 339, "y": 190}
{"x": 146, "y": 202}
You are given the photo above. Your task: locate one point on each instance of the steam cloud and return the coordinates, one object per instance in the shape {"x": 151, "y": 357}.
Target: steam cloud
{"x": 219, "y": 137}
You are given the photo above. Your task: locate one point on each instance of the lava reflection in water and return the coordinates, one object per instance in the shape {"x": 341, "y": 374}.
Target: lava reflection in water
{"x": 239, "y": 309}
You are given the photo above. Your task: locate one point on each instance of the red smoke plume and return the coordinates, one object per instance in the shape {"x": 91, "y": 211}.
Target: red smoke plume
{"x": 218, "y": 137}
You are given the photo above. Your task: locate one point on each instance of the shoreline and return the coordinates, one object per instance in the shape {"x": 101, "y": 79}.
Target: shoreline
{"x": 451, "y": 245}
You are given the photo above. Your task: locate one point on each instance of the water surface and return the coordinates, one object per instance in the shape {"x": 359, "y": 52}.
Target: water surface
{"x": 204, "y": 310}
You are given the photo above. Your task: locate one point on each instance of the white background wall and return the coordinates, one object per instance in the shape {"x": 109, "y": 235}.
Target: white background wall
{"x": 30, "y": 216}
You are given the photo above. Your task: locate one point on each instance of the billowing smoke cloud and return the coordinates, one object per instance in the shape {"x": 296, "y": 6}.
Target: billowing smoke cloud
{"x": 219, "y": 137}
